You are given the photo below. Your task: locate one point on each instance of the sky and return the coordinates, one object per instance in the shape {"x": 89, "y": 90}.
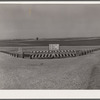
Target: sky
{"x": 21, "y": 21}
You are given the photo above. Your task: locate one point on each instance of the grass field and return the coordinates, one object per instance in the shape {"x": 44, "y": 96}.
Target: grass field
{"x": 45, "y": 42}
{"x": 70, "y": 73}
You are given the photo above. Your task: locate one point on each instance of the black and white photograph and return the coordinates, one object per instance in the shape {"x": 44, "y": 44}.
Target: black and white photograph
{"x": 49, "y": 46}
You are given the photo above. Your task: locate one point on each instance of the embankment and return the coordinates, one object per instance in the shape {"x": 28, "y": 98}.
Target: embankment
{"x": 68, "y": 73}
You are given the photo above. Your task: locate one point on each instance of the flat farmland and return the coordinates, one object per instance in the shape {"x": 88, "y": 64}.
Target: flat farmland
{"x": 69, "y": 73}
{"x": 45, "y": 42}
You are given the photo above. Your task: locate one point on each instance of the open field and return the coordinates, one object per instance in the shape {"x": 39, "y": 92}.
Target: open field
{"x": 90, "y": 41}
{"x": 70, "y": 73}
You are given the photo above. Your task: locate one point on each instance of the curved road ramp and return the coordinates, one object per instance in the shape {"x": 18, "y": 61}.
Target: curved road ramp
{"x": 79, "y": 72}
{"x": 51, "y": 54}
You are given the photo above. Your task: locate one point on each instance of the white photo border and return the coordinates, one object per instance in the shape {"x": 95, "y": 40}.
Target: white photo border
{"x": 50, "y": 94}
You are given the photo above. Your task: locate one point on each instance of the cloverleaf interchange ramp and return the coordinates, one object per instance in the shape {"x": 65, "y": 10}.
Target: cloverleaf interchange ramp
{"x": 74, "y": 71}
{"x": 51, "y": 54}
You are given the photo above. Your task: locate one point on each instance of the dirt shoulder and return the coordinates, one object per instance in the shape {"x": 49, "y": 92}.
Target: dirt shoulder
{"x": 69, "y": 73}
